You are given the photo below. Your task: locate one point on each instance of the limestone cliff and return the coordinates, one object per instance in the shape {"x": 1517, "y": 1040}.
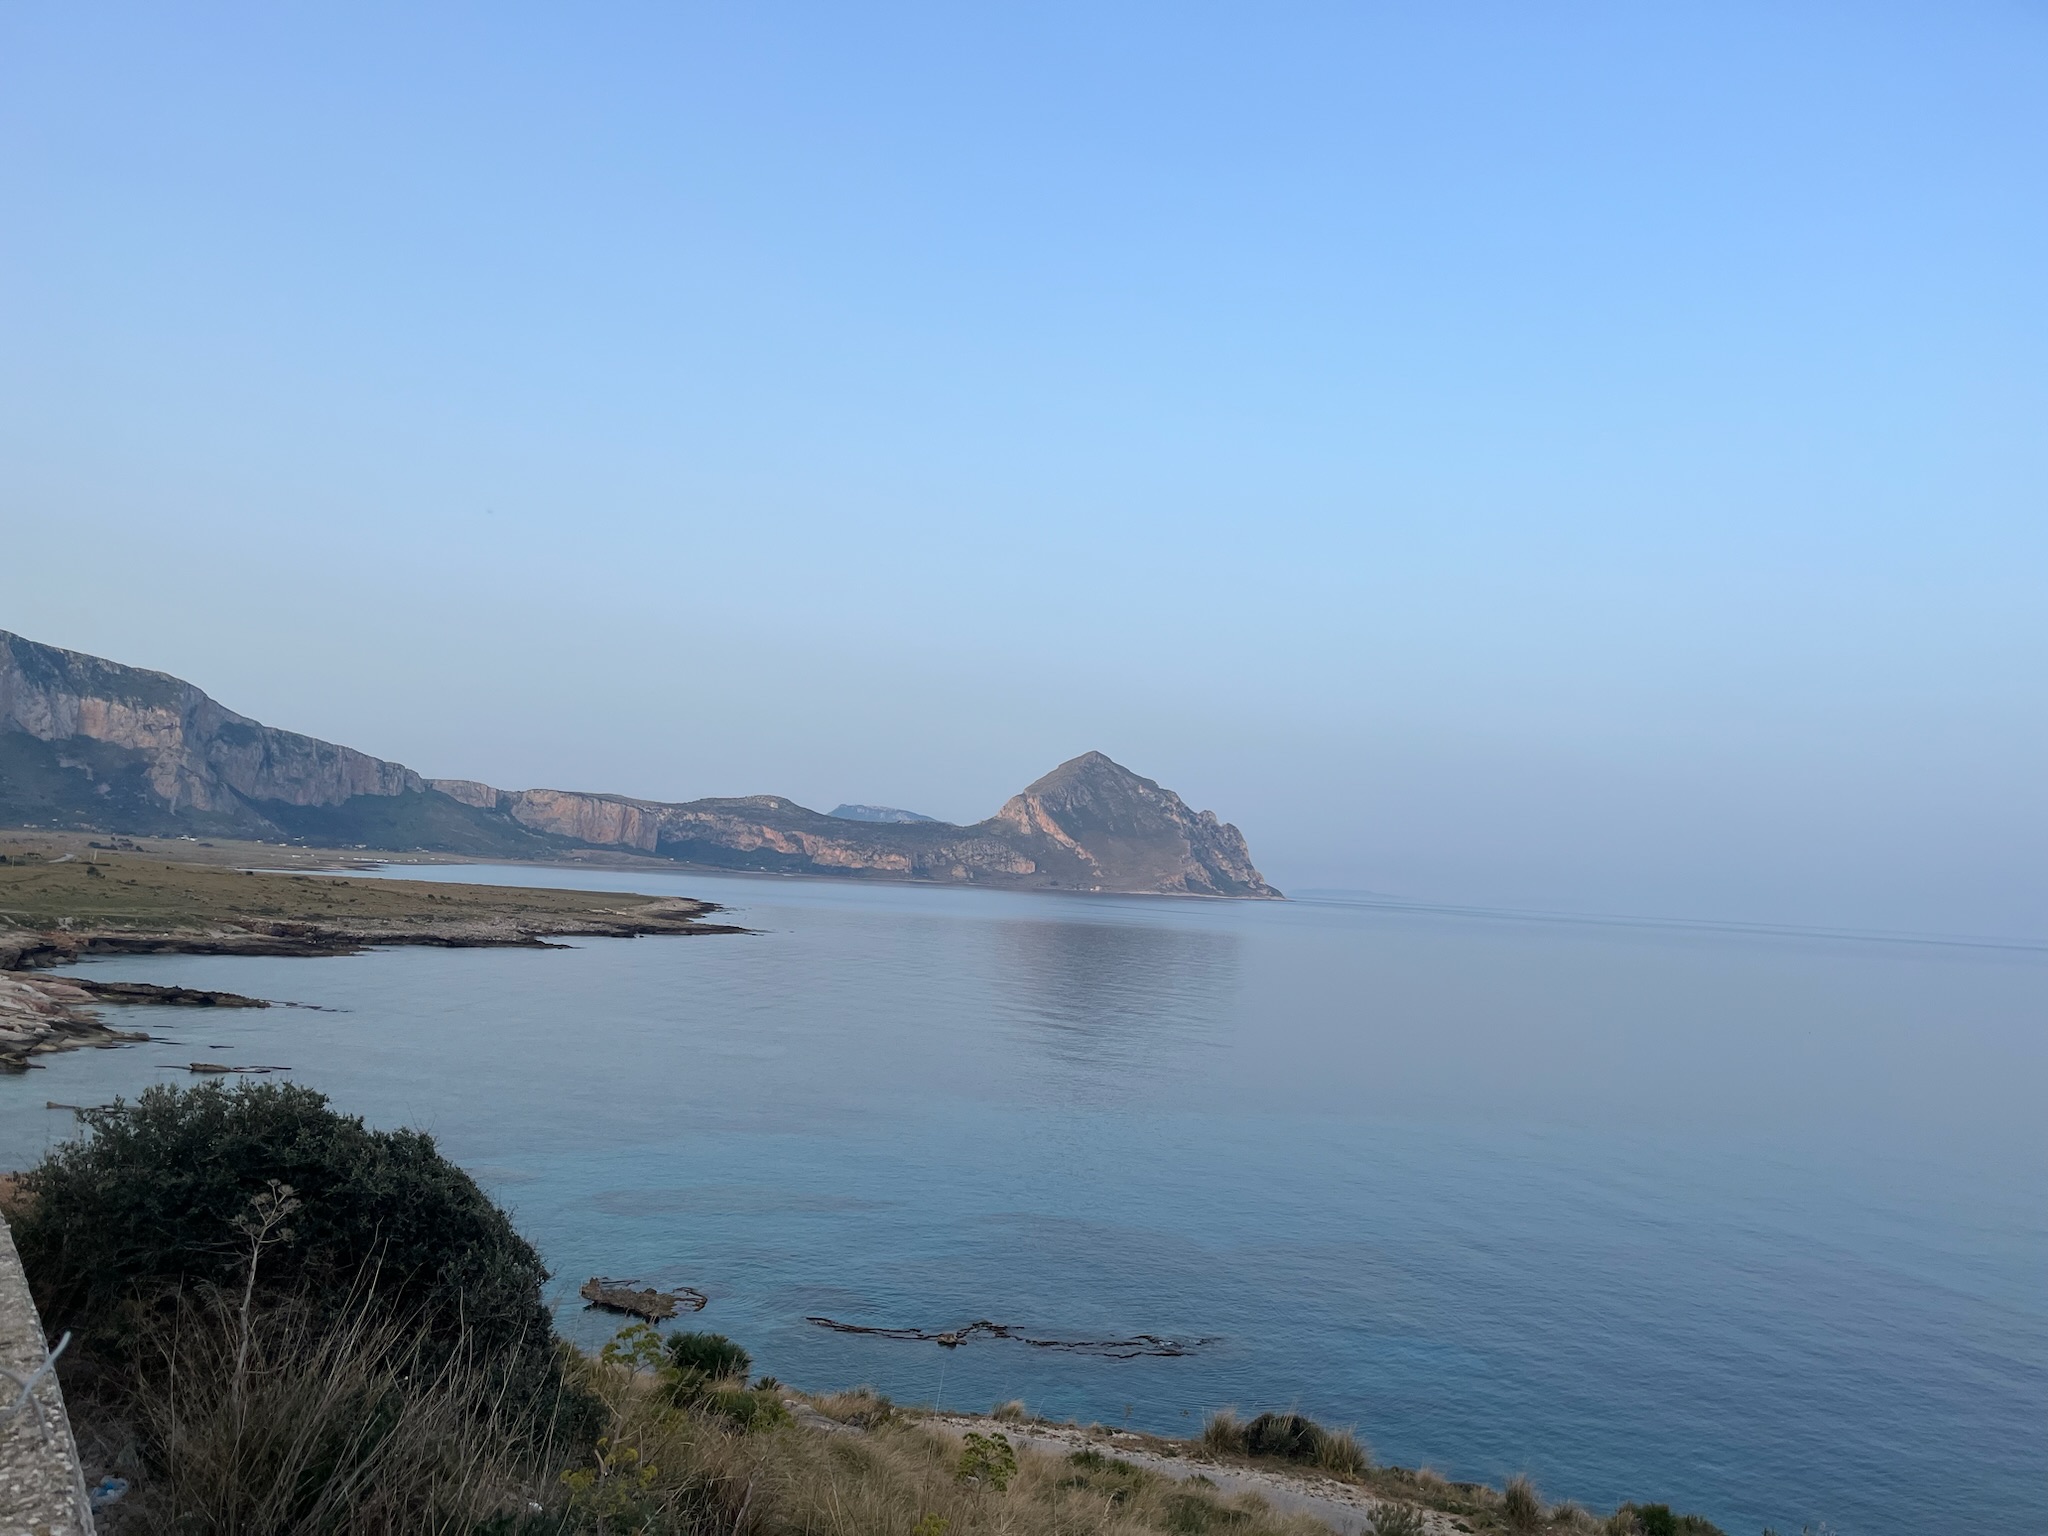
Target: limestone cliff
{"x": 90, "y": 743}
{"x": 192, "y": 755}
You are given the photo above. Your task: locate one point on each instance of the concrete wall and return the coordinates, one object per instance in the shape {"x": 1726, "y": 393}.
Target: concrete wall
{"x": 42, "y": 1492}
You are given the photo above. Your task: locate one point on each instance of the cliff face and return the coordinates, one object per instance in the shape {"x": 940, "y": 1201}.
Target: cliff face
{"x": 193, "y": 756}
{"x": 91, "y": 743}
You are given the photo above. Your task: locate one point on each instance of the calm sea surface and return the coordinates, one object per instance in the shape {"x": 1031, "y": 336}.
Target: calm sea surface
{"x": 1757, "y": 1224}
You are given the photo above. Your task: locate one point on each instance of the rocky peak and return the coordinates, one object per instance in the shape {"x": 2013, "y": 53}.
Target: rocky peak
{"x": 1106, "y": 828}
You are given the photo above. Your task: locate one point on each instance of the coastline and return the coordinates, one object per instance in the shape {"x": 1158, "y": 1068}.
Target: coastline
{"x": 67, "y": 899}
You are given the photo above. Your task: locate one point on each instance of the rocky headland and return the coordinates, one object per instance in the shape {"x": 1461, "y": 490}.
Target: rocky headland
{"x": 58, "y": 907}
{"x": 90, "y": 743}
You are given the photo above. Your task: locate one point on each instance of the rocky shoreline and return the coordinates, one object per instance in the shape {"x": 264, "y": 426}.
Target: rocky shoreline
{"x": 49, "y": 1013}
{"x": 40, "y": 1013}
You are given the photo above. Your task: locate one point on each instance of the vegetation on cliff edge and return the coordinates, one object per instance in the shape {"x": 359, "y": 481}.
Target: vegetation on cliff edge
{"x": 290, "y": 1322}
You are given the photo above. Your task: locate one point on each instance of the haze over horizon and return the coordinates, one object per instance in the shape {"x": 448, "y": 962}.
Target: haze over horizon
{"x": 1587, "y": 459}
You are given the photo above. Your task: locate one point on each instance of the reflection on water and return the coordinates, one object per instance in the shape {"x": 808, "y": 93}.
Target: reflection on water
{"x": 1102, "y": 1002}
{"x": 1749, "y": 1222}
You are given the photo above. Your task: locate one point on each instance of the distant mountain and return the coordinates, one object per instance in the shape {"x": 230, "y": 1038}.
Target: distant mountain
{"x": 877, "y": 813}
{"x": 91, "y": 743}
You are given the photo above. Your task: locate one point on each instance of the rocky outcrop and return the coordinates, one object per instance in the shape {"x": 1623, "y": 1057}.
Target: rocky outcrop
{"x": 466, "y": 792}
{"x": 90, "y": 743}
{"x": 48, "y": 1013}
{"x": 604, "y": 821}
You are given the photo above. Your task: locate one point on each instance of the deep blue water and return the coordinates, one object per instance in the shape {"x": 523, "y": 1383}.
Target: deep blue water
{"x": 1757, "y": 1223}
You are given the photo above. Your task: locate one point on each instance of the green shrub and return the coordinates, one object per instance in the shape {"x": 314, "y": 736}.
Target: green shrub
{"x": 987, "y": 1460}
{"x": 159, "y": 1200}
{"x": 1658, "y": 1520}
{"x": 744, "y": 1409}
{"x": 709, "y": 1356}
{"x": 1288, "y": 1436}
{"x": 1399, "y": 1520}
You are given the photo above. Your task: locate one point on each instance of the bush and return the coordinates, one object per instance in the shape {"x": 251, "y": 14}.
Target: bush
{"x": 743, "y": 1409}
{"x": 709, "y": 1357}
{"x": 1288, "y": 1436}
{"x": 1012, "y": 1412}
{"x": 1399, "y": 1520}
{"x": 1658, "y": 1520}
{"x": 159, "y": 1200}
{"x": 988, "y": 1460}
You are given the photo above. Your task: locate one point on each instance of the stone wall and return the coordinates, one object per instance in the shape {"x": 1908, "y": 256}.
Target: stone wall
{"x": 42, "y": 1491}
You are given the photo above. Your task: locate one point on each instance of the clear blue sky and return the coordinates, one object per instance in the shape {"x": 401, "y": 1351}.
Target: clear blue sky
{"x": 1582, "y": 455}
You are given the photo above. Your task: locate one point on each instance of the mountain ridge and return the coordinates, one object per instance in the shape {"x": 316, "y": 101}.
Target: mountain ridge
{"x": 89, "y": 742}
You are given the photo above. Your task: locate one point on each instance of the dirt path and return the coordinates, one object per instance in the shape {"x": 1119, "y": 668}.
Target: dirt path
{"x": 1345, "y": 1509}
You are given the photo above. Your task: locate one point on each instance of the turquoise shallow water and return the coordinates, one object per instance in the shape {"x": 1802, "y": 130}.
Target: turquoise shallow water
{"x": 1753, "y": 1223}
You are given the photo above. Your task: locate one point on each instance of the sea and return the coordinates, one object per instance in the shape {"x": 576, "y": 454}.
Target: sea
{"x": 1750, "y": 1222}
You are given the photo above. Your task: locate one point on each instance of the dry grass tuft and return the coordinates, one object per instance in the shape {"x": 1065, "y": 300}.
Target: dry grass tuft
{"x": 1520, "y": 1506}
{"x": 1570, "y": 1516}
{"x": 287, "y": 1420}
{"x": 863, "y": 1407}
{"x": 902, "y": 1477}
{"x": 1341, "y": 1452}
{"x": 1223, "y": 1433}
{"x": 1012, "y": 1412}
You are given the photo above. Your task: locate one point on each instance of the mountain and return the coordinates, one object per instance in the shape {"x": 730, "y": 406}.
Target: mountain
{"x": 93, "y": 744}
{"x": 877, "y": 813}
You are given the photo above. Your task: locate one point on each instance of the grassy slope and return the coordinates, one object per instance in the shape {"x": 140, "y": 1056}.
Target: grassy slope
{"x": 431, "y": 821}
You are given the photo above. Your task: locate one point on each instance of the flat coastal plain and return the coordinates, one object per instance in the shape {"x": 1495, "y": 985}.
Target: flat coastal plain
{"x": 64, "y": 898}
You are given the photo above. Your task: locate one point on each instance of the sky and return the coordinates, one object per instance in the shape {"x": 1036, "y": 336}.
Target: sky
{"x": 1587, "y": 457}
